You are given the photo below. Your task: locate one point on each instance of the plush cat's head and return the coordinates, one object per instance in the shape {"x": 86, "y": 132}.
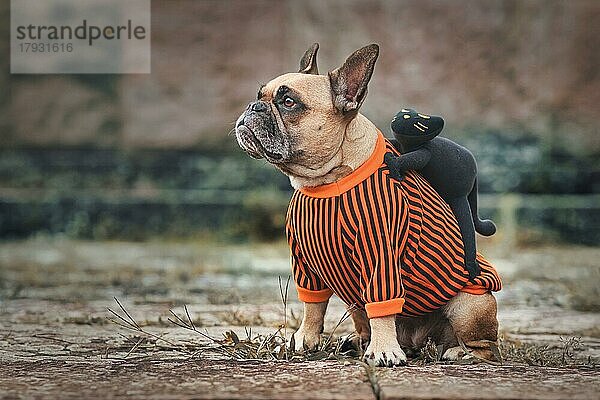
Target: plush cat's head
{"x": 412, "y": 129}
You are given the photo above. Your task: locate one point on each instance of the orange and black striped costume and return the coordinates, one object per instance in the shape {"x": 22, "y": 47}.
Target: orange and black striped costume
{"x": 388, "y": 246}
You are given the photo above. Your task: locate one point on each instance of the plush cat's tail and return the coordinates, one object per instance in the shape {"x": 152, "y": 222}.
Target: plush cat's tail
{"x": 484, "y": 227}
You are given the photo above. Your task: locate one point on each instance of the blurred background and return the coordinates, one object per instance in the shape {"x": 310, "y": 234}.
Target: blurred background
{"x": 133, "y": 182}
{"x": 134, "y": 157}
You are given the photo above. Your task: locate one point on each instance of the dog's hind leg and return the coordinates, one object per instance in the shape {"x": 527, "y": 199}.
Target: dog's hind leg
{"x": 414, "y": 332}
{"x": 473, "y": 319}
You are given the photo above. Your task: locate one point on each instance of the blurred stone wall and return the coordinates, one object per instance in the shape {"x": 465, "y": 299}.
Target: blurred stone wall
{"x": 517, "y": 67}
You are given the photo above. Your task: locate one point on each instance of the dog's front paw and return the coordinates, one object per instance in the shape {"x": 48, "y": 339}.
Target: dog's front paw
{"x": 388, "y": 355}
{"x": 455, "y": 354}
{"x": 304, "y": 340}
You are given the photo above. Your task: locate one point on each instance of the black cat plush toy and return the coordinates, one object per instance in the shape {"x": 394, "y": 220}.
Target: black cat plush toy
{"x": 448, "y": 167}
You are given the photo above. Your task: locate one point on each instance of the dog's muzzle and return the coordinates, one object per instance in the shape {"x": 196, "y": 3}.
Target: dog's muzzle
{"x": 258, "y": 135}
{"x": 246, "y": 139}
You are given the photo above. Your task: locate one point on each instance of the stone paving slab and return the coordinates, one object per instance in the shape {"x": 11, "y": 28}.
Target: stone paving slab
{"x": 182, "y": 379}
{"x": 466, "y": 382}
{"x": 55, "y": 340}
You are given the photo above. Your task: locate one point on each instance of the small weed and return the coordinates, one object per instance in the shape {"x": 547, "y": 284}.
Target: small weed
{"x": 430, "y": 353}
{"x": 569, "y": 347}
{"x": 543, "y": 355}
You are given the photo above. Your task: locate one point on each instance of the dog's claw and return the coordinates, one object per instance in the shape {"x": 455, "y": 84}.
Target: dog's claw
{"x": 304, "y": 341}
{"x": 392, "y": 359}
{"x": 387, "y": 358}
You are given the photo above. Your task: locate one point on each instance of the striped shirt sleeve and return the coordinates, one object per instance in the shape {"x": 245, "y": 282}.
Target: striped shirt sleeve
{"x": 310, "y": 287}
{"x": 383, "y": 291}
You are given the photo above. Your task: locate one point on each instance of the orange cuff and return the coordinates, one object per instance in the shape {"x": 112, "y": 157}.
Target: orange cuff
{"x": 313, "y": 296}
{"x": 475, "y": 289}
{"x": 384, "y": 308}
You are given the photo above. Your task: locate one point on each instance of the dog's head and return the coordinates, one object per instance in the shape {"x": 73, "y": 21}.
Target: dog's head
{"x": 298, "y": 120}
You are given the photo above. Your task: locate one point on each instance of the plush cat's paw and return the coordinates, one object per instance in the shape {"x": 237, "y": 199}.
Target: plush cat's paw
{"x": 392, "y": 163}
{"x": 399, "y": 176}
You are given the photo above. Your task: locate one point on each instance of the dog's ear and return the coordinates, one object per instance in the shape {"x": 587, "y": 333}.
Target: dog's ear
{"x": 308, "y": 63}
{"x": 349, "y": 82}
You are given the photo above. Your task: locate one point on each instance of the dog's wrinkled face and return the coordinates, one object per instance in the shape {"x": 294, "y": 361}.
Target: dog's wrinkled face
{"x": 278, "y": 125}
{"x": 297, "y": 121}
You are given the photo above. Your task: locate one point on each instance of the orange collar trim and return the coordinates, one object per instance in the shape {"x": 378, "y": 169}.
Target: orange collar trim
{"x": 348, "y": 182}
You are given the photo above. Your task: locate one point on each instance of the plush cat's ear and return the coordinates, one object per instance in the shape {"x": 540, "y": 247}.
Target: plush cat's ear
{"x": 308, "y": 63}
{"x": 349, "y": 82}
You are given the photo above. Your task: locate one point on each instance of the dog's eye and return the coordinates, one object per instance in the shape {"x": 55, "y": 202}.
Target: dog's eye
{"x": 289, "y": 102}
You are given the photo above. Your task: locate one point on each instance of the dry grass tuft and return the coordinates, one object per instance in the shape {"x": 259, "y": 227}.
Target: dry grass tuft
{"x": 429, "y": 354}
{"x": 545, "y": 355}
{"x": 273, "y": 346}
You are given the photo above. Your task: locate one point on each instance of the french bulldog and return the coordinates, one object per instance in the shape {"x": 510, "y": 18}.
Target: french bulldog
{"x": 309, "y": 126}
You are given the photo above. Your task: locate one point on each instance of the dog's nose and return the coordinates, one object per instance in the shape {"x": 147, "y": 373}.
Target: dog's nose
{"x": 259, "y": 106}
